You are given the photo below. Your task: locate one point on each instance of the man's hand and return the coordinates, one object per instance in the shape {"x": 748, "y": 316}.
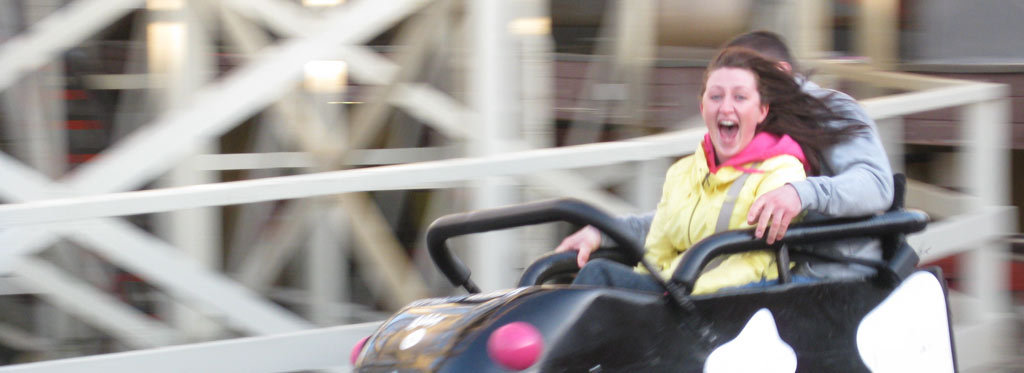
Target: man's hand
{"x": 585, "y": 241}
{"x": 777, "y": 207}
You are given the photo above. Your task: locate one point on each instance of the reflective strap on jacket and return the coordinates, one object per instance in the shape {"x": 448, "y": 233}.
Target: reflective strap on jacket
{"x": 725, "y": 214}
{"x": 731, "y": 196}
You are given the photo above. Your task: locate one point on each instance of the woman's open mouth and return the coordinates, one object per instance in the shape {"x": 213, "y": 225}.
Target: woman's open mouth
{"x": 728, "y": 130}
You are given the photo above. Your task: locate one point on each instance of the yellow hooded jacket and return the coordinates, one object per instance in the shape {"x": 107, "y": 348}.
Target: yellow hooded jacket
{"x": 693, "y": 195}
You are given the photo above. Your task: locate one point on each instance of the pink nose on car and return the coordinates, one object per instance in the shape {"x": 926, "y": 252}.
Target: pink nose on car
{"x": 357, "y": 349}
{"x": 515, "y": 346}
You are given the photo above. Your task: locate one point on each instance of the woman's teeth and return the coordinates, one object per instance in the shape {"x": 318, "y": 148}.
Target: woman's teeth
{"x": 728, "y": 129}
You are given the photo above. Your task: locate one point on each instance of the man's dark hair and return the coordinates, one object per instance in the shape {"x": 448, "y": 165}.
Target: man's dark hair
{"x": 765, "y": 42}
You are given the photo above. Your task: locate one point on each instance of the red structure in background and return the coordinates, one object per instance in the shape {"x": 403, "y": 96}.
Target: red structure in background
{"x": 950, "y": 269}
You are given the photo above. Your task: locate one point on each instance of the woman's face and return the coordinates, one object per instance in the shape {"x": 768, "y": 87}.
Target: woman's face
{"x": 732, "y": 109}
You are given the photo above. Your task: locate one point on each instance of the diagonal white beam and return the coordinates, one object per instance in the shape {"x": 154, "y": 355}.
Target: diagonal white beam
{"x": 172, "y": 137}
{"x": 446, "y": 115}
{"x": 146, "y": 255}
{"x": 161, "y": 264}
{"x": 23, "y": 241}
{"x": 441, "y": 111}
{"x": 419, "y": 36}
{"x": 264, "y": 265}
{"x": 22, "y": 183}
{"x": 420, "y": 100}
{"x": 66, "y": 27}
{"x": 93, "y": 306}
{"x": 284, "y": 17}
{"x": 403, "y": 282}
{"x": 264, "y": 260}
{"x": 168, "y": 268}
{"x": 295, "y": 21}
{"x": 19, "y": 339}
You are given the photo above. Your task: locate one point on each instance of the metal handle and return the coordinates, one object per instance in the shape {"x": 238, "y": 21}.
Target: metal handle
{"x": 569, "y": 210}
{"x": 730, "y": 242}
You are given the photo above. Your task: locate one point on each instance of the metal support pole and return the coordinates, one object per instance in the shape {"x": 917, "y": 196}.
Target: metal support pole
{"x": 635, "y": 39}
{"x": 648, "y": 177}
{"x": 490, "y": 96}
{"x": 35, "y": 126}
{"x": 891, "y": 132}
{"x": 536, "y": 51}
{"x": 813, "y": 35}
{"x": 877, "y": 31}
{"x": 985, "y": 164}
{"x": 187, "y": 68}
{"x": 323, "y": 277}
{"x": 326, "y": 272}
{"x": 531, "y": 29}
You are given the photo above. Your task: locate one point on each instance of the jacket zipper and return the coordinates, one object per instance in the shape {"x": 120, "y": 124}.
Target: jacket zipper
{"x": 689, "y": 225}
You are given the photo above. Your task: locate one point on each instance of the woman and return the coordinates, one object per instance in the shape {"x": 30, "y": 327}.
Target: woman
{"x": 762, "y": 133}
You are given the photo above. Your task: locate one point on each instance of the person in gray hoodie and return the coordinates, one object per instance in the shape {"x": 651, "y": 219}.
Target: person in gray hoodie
{"x": 855, "y": 180}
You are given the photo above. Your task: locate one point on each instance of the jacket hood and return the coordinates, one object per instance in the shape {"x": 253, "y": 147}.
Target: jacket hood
{"x": 764, "y": 145}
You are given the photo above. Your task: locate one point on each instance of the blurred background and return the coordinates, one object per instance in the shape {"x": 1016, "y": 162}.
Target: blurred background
{"x": 185, "y": 171}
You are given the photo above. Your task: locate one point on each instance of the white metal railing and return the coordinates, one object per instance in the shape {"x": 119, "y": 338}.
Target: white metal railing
{"x": 398, "y": 177}
{"x": 324, "y": 348}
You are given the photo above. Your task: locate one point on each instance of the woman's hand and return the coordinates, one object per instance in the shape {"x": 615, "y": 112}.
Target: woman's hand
{"x": 777, "y": 207}
{"x": 585, "y": 241}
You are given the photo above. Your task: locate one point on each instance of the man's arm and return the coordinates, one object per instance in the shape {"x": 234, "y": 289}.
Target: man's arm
{"x": 857, "y": 179}
{"x": 637, "y": 225}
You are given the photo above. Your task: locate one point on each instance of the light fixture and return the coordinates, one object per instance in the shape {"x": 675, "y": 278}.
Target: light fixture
{"x": 164, "y": 4}
{"x": 326, "y": 76}
{"x": 166, "y": 46}
{"x": 321, "y": 3}
{"x": 530, "y": 26}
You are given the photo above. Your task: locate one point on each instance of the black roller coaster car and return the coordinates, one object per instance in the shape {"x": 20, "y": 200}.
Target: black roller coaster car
{"x": 897, "y": 321}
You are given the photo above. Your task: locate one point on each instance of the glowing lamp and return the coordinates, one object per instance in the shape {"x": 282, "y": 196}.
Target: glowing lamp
{"x": 326, "y": 76}
{"x": 321, "y": 3}
{"x": 165, "y": 4}
{"x": 531, "y": 26}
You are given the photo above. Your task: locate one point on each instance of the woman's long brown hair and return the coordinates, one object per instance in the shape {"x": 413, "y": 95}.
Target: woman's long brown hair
{"x": 791, "y": 111}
